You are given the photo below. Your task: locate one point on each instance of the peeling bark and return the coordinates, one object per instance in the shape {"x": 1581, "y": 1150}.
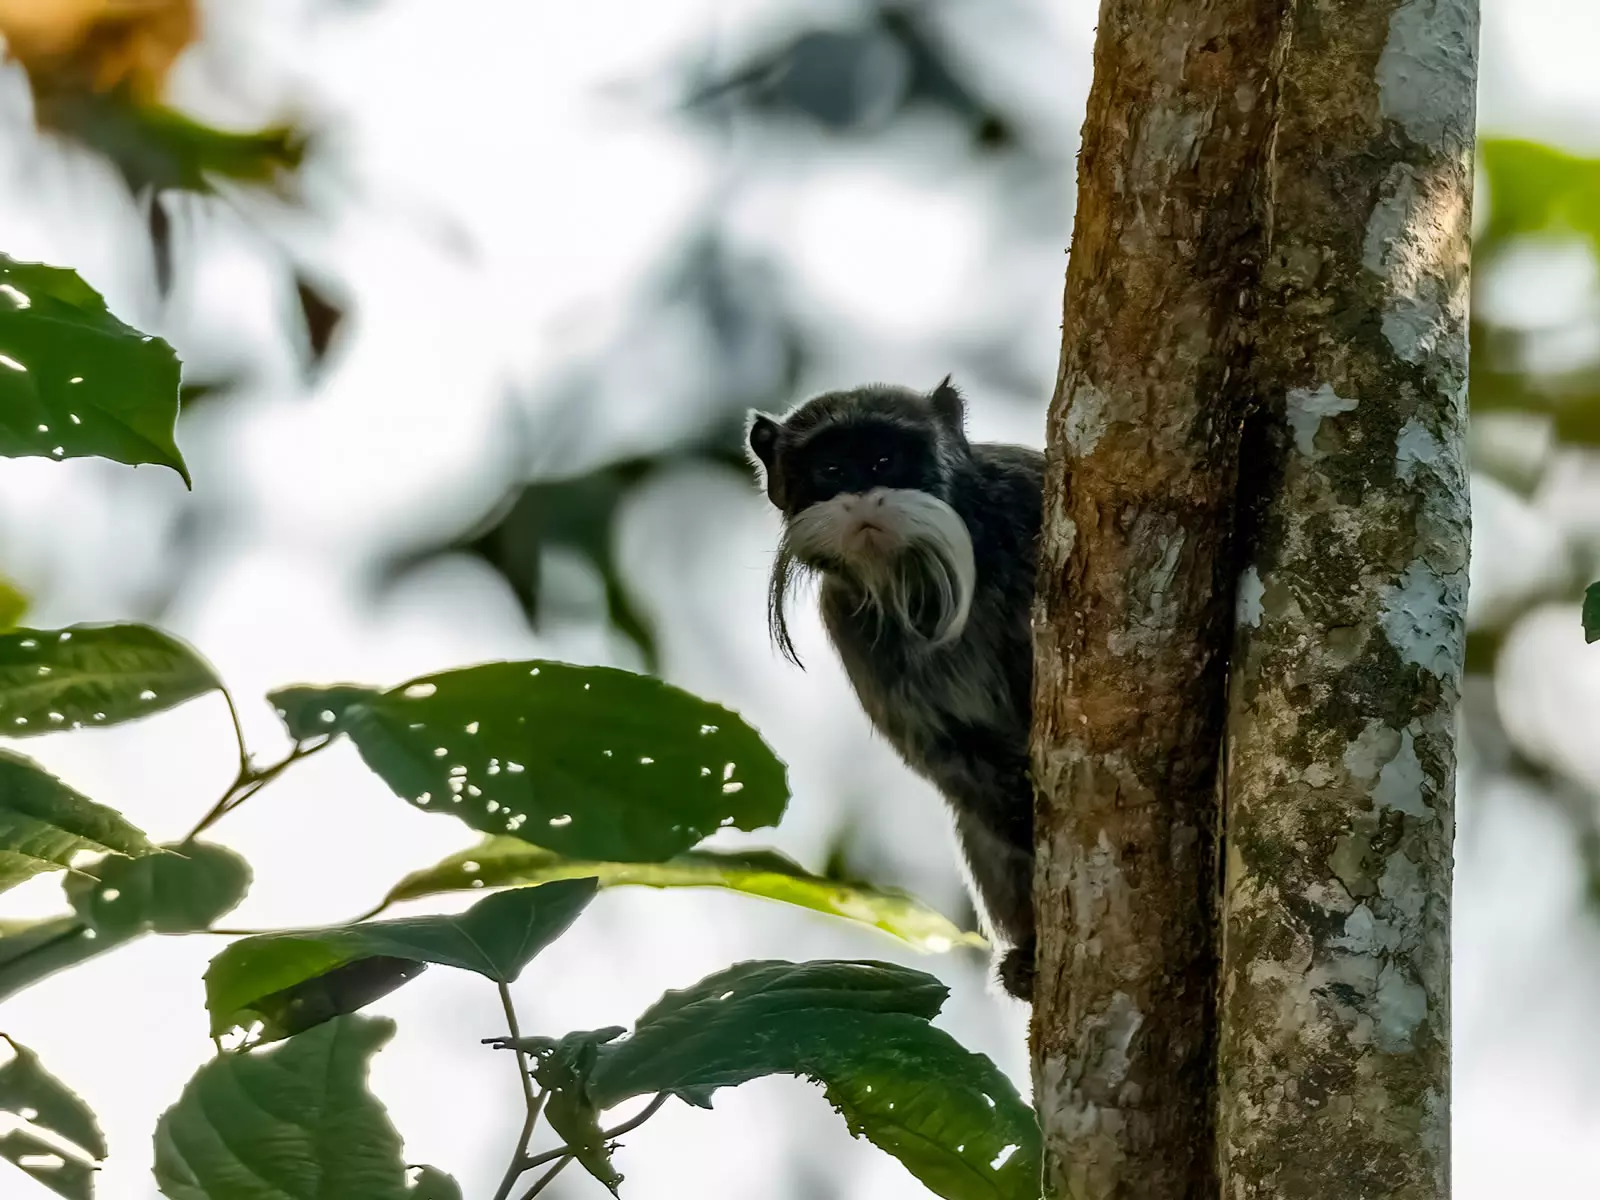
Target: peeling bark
{"x": 1340, "y": 761}
{"x": 1134, "y": 616}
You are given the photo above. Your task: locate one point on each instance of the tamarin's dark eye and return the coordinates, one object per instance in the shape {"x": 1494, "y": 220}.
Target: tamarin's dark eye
{"x": 882, "y": 464}
{"x": 831, "y": 470}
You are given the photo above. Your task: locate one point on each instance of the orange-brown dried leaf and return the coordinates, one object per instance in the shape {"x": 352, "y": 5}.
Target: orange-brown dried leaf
{"x": 98, "y": 46}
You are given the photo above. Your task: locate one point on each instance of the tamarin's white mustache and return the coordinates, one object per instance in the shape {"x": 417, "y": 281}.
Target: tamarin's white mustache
{"x": 918, "y": 552}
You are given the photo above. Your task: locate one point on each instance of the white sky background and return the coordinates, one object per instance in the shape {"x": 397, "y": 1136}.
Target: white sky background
{"x": 488, "y": 117}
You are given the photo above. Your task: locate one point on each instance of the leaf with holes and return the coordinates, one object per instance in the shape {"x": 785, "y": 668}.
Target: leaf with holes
{"x": 861, "y": 1029}
{"x": 299, "y": 1115}
{"x": 591, "y": 761}
{"x": 496, "y": 937}
{"x": 511, "y": 862}
{"x": 75, "y": 382}
{"x": 31, "y": 1094}
{"x": 43, "y": 823}
{"x": 184, "y": 889}
{"x": 54, "y": 679}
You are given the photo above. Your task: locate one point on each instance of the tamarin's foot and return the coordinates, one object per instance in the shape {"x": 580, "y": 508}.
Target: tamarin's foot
{"x": 1017, "y": 971}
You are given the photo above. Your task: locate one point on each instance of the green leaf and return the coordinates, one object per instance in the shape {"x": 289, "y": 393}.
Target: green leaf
{"x": 563, "y": 1073}
{"x": 295, "y": 1122}
{"x": 34, "y": 950}
{"x": 75, "y": 382}
{"x": 861, "y": 1029}
{"x": 36, "y": 1097}
{"x": 511, "y": 862}
{"x": 433, "y": 1184}
{"x": 54, "y": 679}
{"x": 1591, "y": 613}
{"x": 593, "y": 762}
{"x": 1535, "y": 188}
{"x": 43, "y": 823}
{"x": 13, "y": 605}
{"x": 43, "y": 1161}
{"x": 182, "y": 890}
{"x": 496, "y": 937}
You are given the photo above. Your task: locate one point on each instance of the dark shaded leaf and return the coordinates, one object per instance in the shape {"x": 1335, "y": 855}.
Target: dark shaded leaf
{"x": 860, "y": 1028}
{"x": 345, "y": 989}
{"x": 43, "y": 823}
{"x": 592, "y": 761}
{"x": 295, "y": 1122}
{"x": 1591, "y": 613}
{"x": 54, "y": 679}
{"x": 75, "y": 382}
{"x": 184, "y": 889}
{"x": 33, "y": 1095}
{"x": 320, "y": 315}
{"x": 511, "y": 862}
{"x": 496, "y": 937}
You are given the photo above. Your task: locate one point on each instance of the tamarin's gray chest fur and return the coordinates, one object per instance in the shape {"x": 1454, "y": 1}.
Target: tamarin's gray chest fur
{"x": 926, "y": 545}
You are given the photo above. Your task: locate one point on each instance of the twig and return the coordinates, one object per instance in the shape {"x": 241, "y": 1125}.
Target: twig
{"x": 249, "y": 780}
{"x": 519, "y": 1157}
{"x": 563, "y": 1154}
{"x": 544, "y": 1180}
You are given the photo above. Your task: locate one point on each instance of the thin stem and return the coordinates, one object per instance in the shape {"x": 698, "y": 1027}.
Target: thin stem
{"x": 238, "y": 734}
{"x": 534, "y": 1103}
{"x": 544, "y": 1180}
{"x": 249, "y": 781}
{"x": 562, "y": 1155}
{"x": 633, "y": 1123}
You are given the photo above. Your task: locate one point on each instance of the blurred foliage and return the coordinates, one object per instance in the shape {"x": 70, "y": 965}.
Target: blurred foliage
{"x": 859, "y": 78}
{"x": 98, "y": 73}
{"x": 855, "y": 80}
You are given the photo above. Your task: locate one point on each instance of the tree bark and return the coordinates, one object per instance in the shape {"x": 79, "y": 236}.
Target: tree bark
{"x": 1335, "y": 1021}
{"x": 1134, "y": 618}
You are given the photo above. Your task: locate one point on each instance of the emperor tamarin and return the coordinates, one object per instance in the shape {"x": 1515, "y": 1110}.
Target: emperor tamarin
{"x": 926, "y": 547}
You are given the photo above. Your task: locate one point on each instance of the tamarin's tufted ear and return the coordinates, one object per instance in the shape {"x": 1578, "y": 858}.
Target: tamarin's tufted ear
{"x": 948, "y": 408}
{"x": 761, "y": 445}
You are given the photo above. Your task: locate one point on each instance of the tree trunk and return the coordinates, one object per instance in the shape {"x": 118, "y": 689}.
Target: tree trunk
{"x": 1135, "y": 591}
{"x": 1335, "y": 1022}
{"x": 1274, "y": 201}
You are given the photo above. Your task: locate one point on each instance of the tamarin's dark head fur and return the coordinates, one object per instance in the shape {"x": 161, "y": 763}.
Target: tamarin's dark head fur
{"x": 864, "y": 480}
{"x": 926, "y": 548}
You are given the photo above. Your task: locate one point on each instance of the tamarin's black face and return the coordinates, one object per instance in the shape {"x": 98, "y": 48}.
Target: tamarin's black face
{"x": 862, "y": 479}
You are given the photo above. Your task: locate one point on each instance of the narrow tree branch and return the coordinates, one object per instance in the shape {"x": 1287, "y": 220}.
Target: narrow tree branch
{"x": 1135, "y": 583}
{"x": 519, "y": 1158}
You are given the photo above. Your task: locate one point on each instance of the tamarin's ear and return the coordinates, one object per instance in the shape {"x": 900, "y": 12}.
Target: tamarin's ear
{"x": 948, "y": 408}
{"x": 761, "y": 441}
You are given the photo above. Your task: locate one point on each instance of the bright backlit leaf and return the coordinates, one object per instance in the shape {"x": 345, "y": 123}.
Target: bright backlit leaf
{"x": 862, "y": 1030}
{"x": 43, "y": 823}
{"x": 294, "y": 1122}
{"x": 75, "y": 382}
{"x": 55, "y": 679}
{"x": 592, "y": 762}
{"x": 42, "y": 1102}
{"x": 264, "y": 978}
{"x": 433, "y": 1184}
{"x": 511, "y": 862}
{"x": 184, "y": 889}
